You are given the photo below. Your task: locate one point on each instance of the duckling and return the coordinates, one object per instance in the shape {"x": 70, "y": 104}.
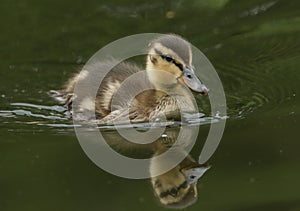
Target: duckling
{"x": 168, "y": 67}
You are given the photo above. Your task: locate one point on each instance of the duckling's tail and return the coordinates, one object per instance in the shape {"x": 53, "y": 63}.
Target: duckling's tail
{"x": 59, "y": 95}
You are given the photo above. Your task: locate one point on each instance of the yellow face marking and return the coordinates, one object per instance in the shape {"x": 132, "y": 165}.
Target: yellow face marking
{"x": 157, "y": 63}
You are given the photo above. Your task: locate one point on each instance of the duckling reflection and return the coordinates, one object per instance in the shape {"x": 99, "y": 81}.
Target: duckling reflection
{"x": 176, "y": 188}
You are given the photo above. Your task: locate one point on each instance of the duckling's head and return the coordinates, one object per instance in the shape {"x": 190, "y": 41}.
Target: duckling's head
{"x": 169, "y": 63}
{"x": 177, "y": 188}
{"x": 173, "y": 190}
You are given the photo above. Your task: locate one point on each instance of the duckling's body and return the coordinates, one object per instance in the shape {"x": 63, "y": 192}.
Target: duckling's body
{"x": 168, "y": 69}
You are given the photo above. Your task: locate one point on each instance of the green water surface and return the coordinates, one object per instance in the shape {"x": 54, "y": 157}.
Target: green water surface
{"x": 254, "y": 46}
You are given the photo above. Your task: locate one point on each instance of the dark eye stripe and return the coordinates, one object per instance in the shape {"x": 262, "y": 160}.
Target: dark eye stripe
{"x": 180, "y": 66}
{"x": 164, "y": 194}
{"x": 168, "y": 192}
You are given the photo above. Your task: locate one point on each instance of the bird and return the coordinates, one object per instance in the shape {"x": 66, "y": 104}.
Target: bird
{"x": 168, "y": 69}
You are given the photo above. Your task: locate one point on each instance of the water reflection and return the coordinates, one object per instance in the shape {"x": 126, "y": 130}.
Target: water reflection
{"x": 177, "y": 187}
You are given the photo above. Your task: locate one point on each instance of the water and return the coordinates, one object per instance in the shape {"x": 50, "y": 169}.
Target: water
{"x": 254, "y": 45}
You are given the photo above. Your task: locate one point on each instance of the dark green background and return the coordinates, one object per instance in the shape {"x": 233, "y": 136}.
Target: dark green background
{"x": 254, "y": 45}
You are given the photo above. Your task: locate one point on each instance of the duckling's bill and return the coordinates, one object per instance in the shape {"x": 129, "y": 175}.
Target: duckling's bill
{"x": 193, "y": 174}
{"x": 190, "y": 80}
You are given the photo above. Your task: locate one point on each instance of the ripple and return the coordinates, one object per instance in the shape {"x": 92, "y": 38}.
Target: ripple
{"x": 258, "y": 9}
{"x": 56, "y": 116}
{"x": 41, "y": 107}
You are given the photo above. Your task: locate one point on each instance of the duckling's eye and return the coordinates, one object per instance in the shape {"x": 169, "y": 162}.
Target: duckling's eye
{"x": 183, "y": 185}
{"x": 173, "y": 192}
{"x": 168, "y": 58}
